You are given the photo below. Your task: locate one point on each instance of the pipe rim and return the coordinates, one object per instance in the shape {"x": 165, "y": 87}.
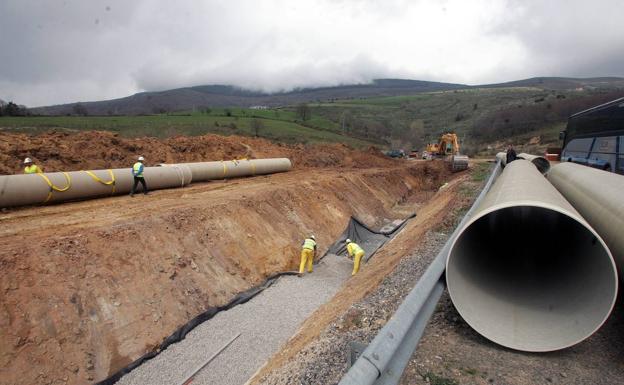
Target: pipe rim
{"x": 562, "y": 211}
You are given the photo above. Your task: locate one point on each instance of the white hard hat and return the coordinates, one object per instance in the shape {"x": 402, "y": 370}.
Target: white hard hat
{"x": 347, "y": 240}
{"x": 312, "y": 236}
{"x": 27, "y": 160}
{"x": 141, "y": 158}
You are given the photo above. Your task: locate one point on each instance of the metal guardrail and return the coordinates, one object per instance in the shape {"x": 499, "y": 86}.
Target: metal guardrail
{"x": 385, "y": 358}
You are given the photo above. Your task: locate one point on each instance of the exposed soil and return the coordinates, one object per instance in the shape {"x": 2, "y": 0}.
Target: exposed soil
{"x": 88, "y": 287}
{"x": 92, "y": 150}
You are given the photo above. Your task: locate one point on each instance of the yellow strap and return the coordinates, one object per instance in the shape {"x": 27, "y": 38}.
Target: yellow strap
{"x": 53, "y": 187}
{"x": 224, "y": 169}
{"x": 253, "y": 168}
{"x": 98, "y": 179}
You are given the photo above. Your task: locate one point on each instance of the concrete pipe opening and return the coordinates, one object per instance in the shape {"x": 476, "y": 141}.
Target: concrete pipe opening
{"x": 531, "y": 278}
{"x": 542, "y": 164}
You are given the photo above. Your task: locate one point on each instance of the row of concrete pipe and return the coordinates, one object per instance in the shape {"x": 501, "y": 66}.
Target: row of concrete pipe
{"x": 534, "y": 269}
{"x": 30, "y": 189}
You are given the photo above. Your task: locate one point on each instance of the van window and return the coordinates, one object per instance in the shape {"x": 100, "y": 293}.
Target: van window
{"x": 605, "y": 144}
{"x": 577, "y": 148}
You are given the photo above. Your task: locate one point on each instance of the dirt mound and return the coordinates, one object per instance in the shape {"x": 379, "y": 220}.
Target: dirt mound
{"x": 68, "y": 151}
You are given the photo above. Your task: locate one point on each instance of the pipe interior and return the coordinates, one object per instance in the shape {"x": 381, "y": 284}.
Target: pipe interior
{"x": 542, "y": 164}
{"x": 531, "y": 278}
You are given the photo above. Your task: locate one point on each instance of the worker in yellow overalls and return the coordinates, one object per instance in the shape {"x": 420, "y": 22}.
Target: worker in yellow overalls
{"x": 30, "y": 168}
{"x": 356, "y": 252}
{"x": 308, "y": 251}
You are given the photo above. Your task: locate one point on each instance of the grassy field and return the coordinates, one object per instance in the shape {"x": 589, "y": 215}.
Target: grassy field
{"x": 278, "y": 125}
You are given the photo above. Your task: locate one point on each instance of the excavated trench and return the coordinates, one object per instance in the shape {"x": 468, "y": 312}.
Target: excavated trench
{"x": 89, "y": 287}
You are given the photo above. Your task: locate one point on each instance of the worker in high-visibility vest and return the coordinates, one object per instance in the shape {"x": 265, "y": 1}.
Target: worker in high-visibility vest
{"x": 308, "y": 251}
{"x": 137, "y": 172}
{"x": 356, "y": 252}
{"x": 30, "y": 168}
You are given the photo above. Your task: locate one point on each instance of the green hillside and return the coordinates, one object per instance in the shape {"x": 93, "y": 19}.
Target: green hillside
{"x": 481, "y": 117}
{"x": 278, "y": 125}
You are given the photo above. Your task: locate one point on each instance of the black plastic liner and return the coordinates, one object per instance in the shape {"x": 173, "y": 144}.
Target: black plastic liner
{"x": 179, "y": 334}
{"x": 370, "y": 240}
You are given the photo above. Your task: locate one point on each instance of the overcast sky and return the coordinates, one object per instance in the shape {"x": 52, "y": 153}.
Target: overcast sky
{"x": 54, "y": 51}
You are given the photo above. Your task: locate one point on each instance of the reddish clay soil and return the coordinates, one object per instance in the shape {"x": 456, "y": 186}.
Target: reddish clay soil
{"x": 88, "y": 287}
{"x": 92, "y": 150}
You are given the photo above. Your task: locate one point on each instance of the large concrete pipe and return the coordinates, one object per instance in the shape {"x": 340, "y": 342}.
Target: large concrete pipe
{"x": 204, "y": 171}
{"x": 527, "y": 271}
{"x": 542, "y": 164}
{"x": 502, "y": 157}
{"x": 599, "y": 197}
{"x": 19, "y": 190}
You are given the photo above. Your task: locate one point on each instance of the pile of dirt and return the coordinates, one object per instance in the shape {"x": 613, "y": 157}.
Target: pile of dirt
{"x": 71, "y": 151}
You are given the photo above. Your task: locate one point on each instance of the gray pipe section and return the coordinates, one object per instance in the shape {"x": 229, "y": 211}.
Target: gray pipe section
{"x": 20, "y": 190}
{"x": 542, "y": 164}
{"x": 502, "y": 157}
{"x": 599, "y": 196}
{"x": 204, "y": 171}
{"x": 527, "y": 271}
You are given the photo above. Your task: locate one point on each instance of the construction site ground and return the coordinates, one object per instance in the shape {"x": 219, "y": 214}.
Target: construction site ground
{"x": 88, "y": 287}
{"x": 450, "y": 351}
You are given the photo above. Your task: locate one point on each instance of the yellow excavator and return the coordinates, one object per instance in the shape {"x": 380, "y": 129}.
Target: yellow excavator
{"x": 447, "y": 148}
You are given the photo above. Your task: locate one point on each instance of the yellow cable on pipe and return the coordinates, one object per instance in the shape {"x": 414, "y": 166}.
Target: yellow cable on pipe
{"x": 53, "y": 187}
{"x": 107, "y": 183}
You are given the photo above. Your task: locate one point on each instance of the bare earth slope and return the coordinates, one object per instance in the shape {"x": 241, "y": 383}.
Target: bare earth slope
{"x": 88, "y": 287}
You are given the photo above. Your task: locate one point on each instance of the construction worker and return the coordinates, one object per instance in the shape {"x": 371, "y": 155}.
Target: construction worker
{"x": 30, "y": 168}
{"x": 356, "y": 252}
{"x": 137, "y": 172}
{"x": 511, "y": 154}
{"x": 308, "y": 252}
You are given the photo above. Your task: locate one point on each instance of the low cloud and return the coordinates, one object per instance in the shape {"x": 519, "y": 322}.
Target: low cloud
{"x": 57, "y": 52}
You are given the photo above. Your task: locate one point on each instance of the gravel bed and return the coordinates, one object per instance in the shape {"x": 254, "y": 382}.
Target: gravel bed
{"x": 266, "y": 322}
{"x": 326, "y": 360}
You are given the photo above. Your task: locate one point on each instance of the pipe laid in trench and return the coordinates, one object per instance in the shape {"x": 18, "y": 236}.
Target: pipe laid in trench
{"x": 21, "y": 190}
{"x": 599, "y": 196}
{"x": 542, "y": 164}
{"x": 527, "y": 271}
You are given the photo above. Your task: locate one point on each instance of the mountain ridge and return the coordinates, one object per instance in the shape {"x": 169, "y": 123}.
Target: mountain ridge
{"x": 220, "y": 95}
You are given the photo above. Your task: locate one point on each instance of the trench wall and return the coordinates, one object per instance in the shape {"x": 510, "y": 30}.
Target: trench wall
{"x": 78, "y": 305}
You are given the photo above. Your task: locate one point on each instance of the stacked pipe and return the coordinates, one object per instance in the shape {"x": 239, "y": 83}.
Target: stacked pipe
{"x": 599, "y": 196}
{"x": 29, "y": 189}
{"x": 527, "y": 271}
{"x": 542, "y": 164}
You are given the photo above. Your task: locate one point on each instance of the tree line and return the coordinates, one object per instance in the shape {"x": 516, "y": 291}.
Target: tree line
{"x": 12, "y": 109}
